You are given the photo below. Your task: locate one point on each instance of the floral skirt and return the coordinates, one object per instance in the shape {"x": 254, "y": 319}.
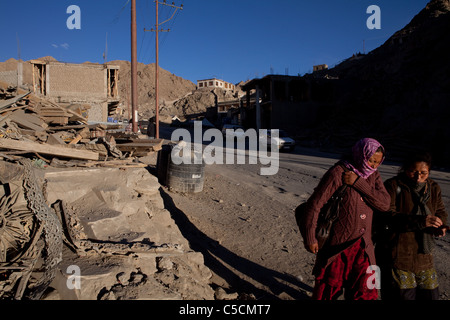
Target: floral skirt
{"x": 426, "y": 280}
{"x": 347, "y": 271}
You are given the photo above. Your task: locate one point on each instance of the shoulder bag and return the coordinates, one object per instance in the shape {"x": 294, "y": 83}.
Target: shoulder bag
{"x": 327, "y": 215}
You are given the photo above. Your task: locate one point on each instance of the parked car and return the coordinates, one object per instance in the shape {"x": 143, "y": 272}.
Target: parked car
{"x": 282, "y": 142}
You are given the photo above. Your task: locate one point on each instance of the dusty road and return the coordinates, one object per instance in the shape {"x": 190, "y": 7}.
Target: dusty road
{"x": 243, "y": 224}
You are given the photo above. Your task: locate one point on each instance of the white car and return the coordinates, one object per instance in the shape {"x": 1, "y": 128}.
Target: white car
{"x": 282, "y": 141}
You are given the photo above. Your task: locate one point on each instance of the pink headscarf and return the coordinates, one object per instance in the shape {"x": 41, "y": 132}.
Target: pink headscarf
{"x": 362, "y": 151}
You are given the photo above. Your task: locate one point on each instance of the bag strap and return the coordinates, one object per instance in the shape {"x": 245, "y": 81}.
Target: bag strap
{"x": 341, "y": 190}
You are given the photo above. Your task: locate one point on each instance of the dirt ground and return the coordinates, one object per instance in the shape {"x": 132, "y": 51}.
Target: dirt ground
{"x": 244, "y": 226}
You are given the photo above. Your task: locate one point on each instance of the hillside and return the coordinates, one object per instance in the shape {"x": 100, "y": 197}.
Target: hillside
{"x": 171, "y": 88}
{"x": 399, "y": 92}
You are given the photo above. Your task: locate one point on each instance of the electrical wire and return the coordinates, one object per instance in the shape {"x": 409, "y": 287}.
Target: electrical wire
{"x": 117, "y": 17}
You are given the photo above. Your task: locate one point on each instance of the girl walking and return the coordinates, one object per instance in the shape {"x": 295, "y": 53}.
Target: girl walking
{"x": 417, "y": 215}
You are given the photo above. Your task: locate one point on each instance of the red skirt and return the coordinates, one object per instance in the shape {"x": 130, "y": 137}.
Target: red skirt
{"x": 347, "y": 271}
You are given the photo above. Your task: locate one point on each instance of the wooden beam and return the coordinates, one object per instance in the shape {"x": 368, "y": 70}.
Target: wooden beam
{"x": 54, "y": 150}
{"x": 83, "y": 133}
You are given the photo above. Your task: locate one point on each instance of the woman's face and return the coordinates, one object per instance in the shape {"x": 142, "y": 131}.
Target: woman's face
{"x": 418, "y": 172}
{"x": 375, "y": 160}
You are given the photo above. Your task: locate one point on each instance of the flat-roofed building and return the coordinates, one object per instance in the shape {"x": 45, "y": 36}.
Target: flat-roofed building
{"x": 215, "y": 83}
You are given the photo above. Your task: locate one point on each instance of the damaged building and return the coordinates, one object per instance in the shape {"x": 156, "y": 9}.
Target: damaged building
{"x": 94, "y": 86}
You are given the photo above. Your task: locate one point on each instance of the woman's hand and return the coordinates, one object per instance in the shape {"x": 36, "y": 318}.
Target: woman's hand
{"x": 441, "y": 231}
{"x": 433, "y": 222}
{"x": 313, "y": 248}
{"x": 349, "y": 177}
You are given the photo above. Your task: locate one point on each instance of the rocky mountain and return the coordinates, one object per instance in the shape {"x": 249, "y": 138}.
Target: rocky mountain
{"x": 399, "y": 92}
{"x": 177, "y": 96}
{"x": 171, "y": 88}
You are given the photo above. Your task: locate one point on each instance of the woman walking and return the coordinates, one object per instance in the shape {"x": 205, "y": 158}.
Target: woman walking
{"x": 343, "y": 261}
{"x": 417, "y": 216}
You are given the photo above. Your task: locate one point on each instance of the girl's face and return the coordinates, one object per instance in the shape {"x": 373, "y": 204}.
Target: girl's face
{"x": 418, "y": 172}
{"x": 375, "y": 160}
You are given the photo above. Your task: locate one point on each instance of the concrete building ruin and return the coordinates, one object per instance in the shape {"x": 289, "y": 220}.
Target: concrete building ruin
{"x": 95, "y": 85}
{"x": 291, "y": 103}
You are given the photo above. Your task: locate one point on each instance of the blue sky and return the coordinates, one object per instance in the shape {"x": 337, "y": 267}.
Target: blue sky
{"x": 232, "y": 40}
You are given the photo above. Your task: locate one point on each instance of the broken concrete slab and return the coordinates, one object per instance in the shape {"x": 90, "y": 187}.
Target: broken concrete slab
{"x": 123, "y": 206}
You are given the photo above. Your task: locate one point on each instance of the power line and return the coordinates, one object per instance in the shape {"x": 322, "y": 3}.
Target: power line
{"x": 117, "y": 17}
{"x": 172, "y": 23}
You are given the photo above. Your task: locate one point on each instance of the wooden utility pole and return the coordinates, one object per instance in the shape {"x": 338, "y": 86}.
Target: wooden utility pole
{"x": 157, "y": 31}
{"x": 157, "y": 76}
{"x": 134, "y": 96}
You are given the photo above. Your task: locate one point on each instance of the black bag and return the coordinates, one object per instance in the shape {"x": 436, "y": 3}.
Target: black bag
{"x": 327, "y": 215}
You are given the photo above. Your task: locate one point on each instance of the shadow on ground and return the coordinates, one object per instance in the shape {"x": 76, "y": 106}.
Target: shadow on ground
{"x": 225, "y": 263}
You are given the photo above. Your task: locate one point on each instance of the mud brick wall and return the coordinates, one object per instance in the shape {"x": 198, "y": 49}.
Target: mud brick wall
{"x": 98, "y": 111}
{"x": 9, "y": 77}
{"x": 76, "y": 82}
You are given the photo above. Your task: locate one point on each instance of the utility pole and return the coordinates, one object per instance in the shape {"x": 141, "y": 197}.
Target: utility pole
{"x": 105, "y": 54}
{"x": 134, "y": 96}
{"x": 157, "y": 30}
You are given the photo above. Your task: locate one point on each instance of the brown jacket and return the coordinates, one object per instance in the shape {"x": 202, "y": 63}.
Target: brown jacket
{"x": 355, "y": 217}
{"x": 405, "y": 226}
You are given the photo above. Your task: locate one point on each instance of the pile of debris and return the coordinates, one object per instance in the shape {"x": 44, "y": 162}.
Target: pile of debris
{"x": 60, "y": 135}
{"x": 100, "y": 220}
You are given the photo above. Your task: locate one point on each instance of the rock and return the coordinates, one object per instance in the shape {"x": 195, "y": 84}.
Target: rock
{"x": 164, "y": 263}
{"x": 122, "y": 278}
{"x": 221, "y": 294}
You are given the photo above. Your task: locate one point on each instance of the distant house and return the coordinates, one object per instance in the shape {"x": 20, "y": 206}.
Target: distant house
{"x": 215, "y": 83}
{"x": 320, "y": 67}
{"x": 92, "y": 84}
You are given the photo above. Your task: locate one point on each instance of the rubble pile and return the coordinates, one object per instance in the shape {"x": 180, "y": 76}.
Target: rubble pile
{"x": 60, "y": 135}
{"x": 81, "y": 215}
